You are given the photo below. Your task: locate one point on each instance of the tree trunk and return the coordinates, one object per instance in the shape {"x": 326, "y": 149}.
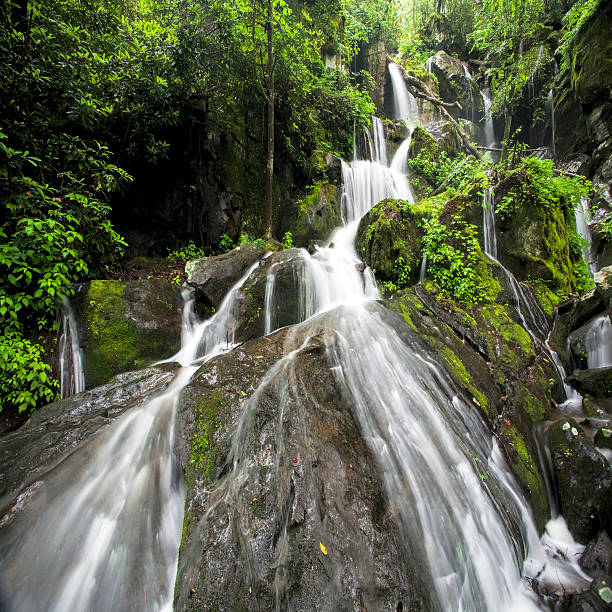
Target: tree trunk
{"x": 270, "y": 121}
{"x": 506, "y": 138}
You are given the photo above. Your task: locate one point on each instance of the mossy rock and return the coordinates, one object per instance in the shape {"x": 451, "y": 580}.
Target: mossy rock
{"x": 127, "y": 325}
{"x": 535, "y": 242}
{"x": 584, "y": 480}
{"x": 390, "y": 241}
{"x": 318, "y": 214}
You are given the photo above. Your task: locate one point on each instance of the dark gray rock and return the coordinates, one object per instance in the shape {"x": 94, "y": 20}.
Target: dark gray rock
{"x": 584, "y": 480}
{"x": 213, "y": 277}
{"x": 296, "y": 519}
{"x": 56, "y": 430}
{"x": 597, "y": 599}
{"x": 596, "y": 381}
{"x": 597, "y": 557}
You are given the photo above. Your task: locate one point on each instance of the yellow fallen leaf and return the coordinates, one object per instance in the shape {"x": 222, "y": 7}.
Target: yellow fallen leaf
{"x": 323, "y": 549}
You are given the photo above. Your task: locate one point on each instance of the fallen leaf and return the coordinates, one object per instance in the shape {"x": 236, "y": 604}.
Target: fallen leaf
{"x": 323, "y": 549}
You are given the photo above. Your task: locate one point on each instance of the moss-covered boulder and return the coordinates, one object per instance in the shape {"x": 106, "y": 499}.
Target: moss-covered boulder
{"x": 493, "y": 359}
{"x": 603, "y": 287}
{"x": 318, "y": 214}
{"x": 584, "y": 480}
{"x": 454, "y": 85}
{"x": 282, "y": 491}
{"x": 127, "y": 325}
{"x": 390, "y": 241}
{"x": 534, "y": 238}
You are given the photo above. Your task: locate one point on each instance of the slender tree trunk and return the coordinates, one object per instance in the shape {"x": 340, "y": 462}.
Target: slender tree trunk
{"x": 270, "y": 97}
{"x": 506, "y": 138}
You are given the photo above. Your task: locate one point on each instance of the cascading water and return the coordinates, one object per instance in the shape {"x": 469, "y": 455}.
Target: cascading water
{"x": 550, "y": 109}
{"x": 71, "y": 372}
{"x": 406, "y": 108}
{"x": 460, "y": 521}
{"x": 469, "y": 111}
{"x": 489, "y": 128}
{"x": 598, "y": 342}
{"x": 581, "y": 213}
{"x": 109, "y": 516}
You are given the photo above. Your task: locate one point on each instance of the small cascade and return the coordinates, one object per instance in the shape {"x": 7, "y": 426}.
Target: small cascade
{"x": 429, "y": 64}
{"x": 488, "y": 224}
{"x": 550, "y": 110}
{"x": 380, "y": 145}
{"x": 581, "y": 212}
{"x": 423, "y": 270}
{"x": 71, "y": 371}
{"x": 532, "y": 82}
{"x": 598, "y": 343}
{"x": 489, "y": 130}
{"x": 399, "y": 163}
{"x": 469, "y": 111}
{"x": 530, "y": 314}
{"x": 406, "y": 107}
{"x": 269, "y": 300}
{"x": 108, "y": 523}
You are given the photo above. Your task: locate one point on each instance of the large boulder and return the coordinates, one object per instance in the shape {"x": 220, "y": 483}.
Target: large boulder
{"x": 454, "y": 83}
{"x": 213, "y": 277}
{"x": 318, "y": 214}
{"x": 584, "y": 480}
{"x": 596, "y": 381}
{"x": 125, "y": 326}
{"x": 390, "y": 241}
{"x": 294, "y": 513}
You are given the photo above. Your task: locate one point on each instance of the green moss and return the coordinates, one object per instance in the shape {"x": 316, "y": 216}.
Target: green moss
{"x": 207, "y": 418}
{"x": 499, "y": 324}
{"x": 548, "y": 299}
{"x": 462, "y": 378}
{"x": 526, "y": 469}
{"x": 113, "y": 339}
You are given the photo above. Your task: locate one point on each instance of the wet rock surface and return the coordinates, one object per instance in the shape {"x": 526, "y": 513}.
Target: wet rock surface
{"x": 284, "y": 507}
{"x": 213, "y": 277}
{"x": 584, "y": 480}
{"x": 56, "y": 430}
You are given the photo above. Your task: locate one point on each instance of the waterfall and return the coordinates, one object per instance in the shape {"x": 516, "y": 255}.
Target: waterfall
{"x": 406, "y": 107}
{"x": 582, "y": 226}
{"x": 550, "y": 109}
{"x": 488, "y": 224}
{"x": 107, "y": 528}
{"x": 380, "y": 145}
{"x": 598, "y": 342}
{"x": 108, "y": 523}
{"x": 470, "y": 97}
{"x": 489, "y": 129}
{"x": 71, "y": 372}
{"x": 399, "y": 163}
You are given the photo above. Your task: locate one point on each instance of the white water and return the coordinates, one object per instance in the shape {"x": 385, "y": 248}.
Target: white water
{"x": 598, "y": 343}
{"x": 406, "y": 107}
{"x": 469, "y": 111}
{"x": 109, "y": 517}
{"x": 445, "y": 477}
{"x": 71, "y": 372}
{"x": 489, "y": 130}
{"x": 581, "y": 213}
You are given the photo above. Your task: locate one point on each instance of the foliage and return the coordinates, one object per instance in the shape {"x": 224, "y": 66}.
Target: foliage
{"x": 226, "y": 244}
{"x": 187, "y": 253}
{"x": 25, "y": 380}
{"x": 535, "y": 184}
{"x": 455, "y": 260}
{"x": 573, "y": 21}
{"x": 287, "y": 240}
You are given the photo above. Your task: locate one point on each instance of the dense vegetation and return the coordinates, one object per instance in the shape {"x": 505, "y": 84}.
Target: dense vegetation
{"x": 92, "y": 93}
